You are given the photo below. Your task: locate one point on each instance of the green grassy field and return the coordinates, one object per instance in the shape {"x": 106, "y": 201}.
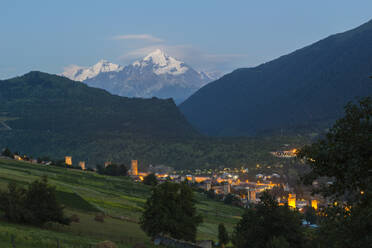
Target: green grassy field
{"x": 87, "y": 194}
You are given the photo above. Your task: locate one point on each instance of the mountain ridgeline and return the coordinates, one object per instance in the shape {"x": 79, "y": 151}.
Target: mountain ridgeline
{"x": 40, "y": 101}
{"x": 304, "y": 90}
{"x": 52, "y": 115}
{"x": 156, "y": 75}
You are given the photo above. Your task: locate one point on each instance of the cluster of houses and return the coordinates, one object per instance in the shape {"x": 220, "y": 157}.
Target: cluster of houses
{"x": 237, "y": 184}
{"x": 222, "y": 183}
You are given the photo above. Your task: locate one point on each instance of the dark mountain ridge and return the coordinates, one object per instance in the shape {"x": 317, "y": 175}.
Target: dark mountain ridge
{"x": 306, "y": 88}
{"x": 41, "y": 101}
{"x": 50, "y": 115}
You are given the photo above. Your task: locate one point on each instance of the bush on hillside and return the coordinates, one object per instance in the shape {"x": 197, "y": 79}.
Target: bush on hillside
{"x": 35, "y": 205}
{"x": 150, "y": 180}
{"x": 7, "y": 153}
{"x": 106, "y": 244}
{"x": 99, "y": 218}
{"x": 75, "y": 218}
{"x": 113, "y": 170}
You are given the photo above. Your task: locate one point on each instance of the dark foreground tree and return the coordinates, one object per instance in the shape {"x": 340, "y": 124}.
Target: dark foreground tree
{"x": 268, "y": 224}
{"x": 12, "y": 203}
{"x": 171, "y": 211}
{"x": 223, "y": 236}
{"x": 310, "y": 215}
{"x": 344, "y": 156}
{"x": 7, "y": 153}
{"x": 150, "y": 180}
{"x": 36, "y": 206}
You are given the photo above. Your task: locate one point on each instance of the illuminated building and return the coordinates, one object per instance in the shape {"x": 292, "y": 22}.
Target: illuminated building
{"x": 285, "y": 154}
{"x": 107, "y": 163}
{"x": 68, "y": 160}
{"x": 226, "y": 188}
{"x": 82, "y": 165}
{"x": 314, "y": 204}
{"x": 251, "y": 195}
{"x": 16, "y": 157}
{"x": 134, "y": 167}
{"x": 208, "y": 186}
{"x": 292, "y": 200}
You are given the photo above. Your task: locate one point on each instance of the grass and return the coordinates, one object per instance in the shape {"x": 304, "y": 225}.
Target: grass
{"x": 86, "y": 194}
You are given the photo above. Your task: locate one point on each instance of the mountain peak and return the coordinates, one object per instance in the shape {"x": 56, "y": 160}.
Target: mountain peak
{"x": 158, "y": 57}
{"x": 161, "y": 63}
{"x": 79, "y": 73}
{"x": 156, "y": 74}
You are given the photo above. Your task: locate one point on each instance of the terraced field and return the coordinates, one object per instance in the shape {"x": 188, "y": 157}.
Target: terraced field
{"x": 88, "y": 194}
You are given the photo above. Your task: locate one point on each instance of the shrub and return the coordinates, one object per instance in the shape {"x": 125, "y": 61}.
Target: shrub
{"x": 99, "y": 218}
{"x": 106, "y": 244}
{"x": 36, "y": 206}
{"x": 150, "y": 180}
{"x": 75, "y": 218}
{"x": 7, "y": 153}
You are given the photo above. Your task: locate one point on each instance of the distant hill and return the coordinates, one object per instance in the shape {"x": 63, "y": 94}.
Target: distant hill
{"x": 303, "y": 90}
{"x": 156, "y": 75}
{"x": 48, "y": 114}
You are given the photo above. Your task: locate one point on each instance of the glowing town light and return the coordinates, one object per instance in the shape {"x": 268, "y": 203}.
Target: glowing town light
{"x": 314, "y": 204}
{"x": 134, "y": 167}
{"x": 292, "y": 200}
{"x": 68, "y": 160}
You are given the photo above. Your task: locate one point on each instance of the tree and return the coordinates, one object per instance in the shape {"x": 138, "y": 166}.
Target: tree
{"x": 277, "y": 242}
{"x": 7, "y": 153}
{"x": 230, "y": 199}
{"x": 171, "y": 210}
{"x": 310, "y": 215}
{"x": 41, "y": 203}
{"x": 344, "y": 156}
{"x": 150, "y": 180}
{"x": 223, "y": 236}
{"x": 267, "y": 221}
{"x": 12, "y": 203}
{"x": 113, "y": 170}
{"x": 37, "y": 205}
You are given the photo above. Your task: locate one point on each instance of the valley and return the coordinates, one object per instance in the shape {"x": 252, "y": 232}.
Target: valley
{"x": 87, "y": 194}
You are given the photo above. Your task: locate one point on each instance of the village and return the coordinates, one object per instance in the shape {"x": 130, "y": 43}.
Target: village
{"x": 235, "y": 183}
{"x": 232, "y": 185}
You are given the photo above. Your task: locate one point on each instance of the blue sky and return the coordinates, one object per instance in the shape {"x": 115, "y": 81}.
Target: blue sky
{"x": 207, "y": 34}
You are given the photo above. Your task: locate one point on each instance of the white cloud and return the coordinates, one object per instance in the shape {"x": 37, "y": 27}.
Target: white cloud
{"x": 146, "y": 37}
{"x": 195, "y": 57}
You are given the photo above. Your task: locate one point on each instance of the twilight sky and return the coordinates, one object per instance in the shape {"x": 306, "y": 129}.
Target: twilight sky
{"x": 213, "y": 35}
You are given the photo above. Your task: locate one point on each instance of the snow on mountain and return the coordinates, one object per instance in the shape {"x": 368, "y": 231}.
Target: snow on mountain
{"x": 163, "y": 64}
{"x": 156, "y": 75}
{"x": 79, "y": 73}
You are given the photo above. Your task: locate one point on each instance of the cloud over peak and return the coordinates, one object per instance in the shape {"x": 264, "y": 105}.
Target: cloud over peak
{"x": 146, "y": 37}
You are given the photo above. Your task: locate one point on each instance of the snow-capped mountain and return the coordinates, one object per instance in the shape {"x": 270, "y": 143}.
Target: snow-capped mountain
{"x": 156, "y": 75}
{"x": 79, "y": 73}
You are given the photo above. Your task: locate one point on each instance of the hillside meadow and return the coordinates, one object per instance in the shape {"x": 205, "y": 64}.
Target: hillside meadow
{"x": 87, "y": 195}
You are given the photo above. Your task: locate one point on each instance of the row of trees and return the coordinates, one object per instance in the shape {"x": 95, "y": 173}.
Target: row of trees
{"x": 344, "y": 156}
{"x": 113, "y": 170}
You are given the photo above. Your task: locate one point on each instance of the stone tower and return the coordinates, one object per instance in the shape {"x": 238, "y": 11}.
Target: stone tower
{"x": 82, "y": 165}
{"x": 134, "y": 168}
{"x": 68, "y": 160}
